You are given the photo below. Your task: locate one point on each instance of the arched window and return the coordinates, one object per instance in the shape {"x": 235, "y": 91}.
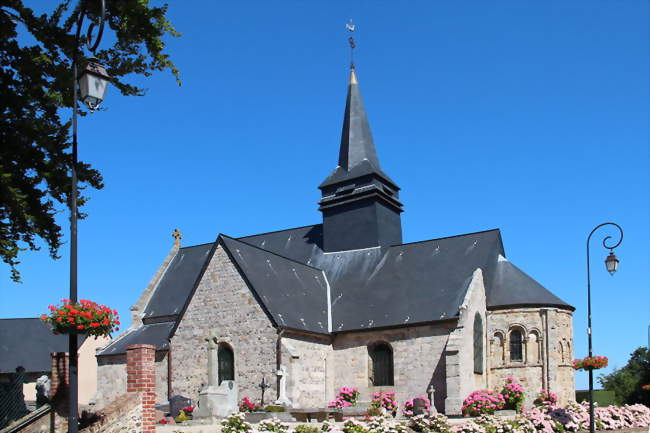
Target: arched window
{"x": 478, "y": 343}
{"x": 226, "y": 363}
{"x": 381, "y": 356}
{"x": 516, "y": 342}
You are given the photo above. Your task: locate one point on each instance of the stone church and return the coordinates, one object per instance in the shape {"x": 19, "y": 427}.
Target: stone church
{"x": 346, "y": 303}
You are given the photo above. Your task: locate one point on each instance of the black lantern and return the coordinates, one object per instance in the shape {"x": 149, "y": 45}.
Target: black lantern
{"x": 93, "y": 83}
{"x": 612, "y": 263}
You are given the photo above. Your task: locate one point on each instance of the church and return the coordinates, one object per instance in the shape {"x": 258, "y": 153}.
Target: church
{"x": 346, "y": 303}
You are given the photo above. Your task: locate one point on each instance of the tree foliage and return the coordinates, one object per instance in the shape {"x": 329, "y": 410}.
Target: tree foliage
{"x": 35, "y": 90}
{"x": 628, "y": 382}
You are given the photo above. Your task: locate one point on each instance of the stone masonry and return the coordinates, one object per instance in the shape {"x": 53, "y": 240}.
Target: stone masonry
{"x": 547, "y": 350}
{"x": 224, "y": 307}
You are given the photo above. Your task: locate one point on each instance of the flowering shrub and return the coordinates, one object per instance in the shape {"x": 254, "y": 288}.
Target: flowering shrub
{"x": 83, "y": 317}
{"x": 493, "y": 424}
{"x": 590, "y": 363}
{"x": 385, "y": 401}
{"x": 429, "y": 424}
{"x": 408, "y": 406}
{"x": 245, "y": 405}
{"x": 545, "y": 398}
{"x": 483, "y": 401}
{"x": 382, "y": 425}
{"x": 513, "y": 394}
{"x": 468, "y": 427}
{"x": 354, "y": 426}
{"x": 273, "y": 425}
{"x": 236, "y": 423}
{"x": 346, "y": 397}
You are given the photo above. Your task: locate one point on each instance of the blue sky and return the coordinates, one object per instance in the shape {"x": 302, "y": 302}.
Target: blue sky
{"x": 527, "y": 116}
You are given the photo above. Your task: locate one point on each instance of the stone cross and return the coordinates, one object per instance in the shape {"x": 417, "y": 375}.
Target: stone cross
{"x": 263, "y": 386}
{"x": 282, "y": 398}
{"x": 213, "y": 362}
{"x": 177, "y": 235}
{"x": 431, "y": 391}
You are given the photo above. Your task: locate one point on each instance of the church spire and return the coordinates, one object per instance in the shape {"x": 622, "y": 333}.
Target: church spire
{"x": 357, "y": 144}
{"x": 360, "y": 203}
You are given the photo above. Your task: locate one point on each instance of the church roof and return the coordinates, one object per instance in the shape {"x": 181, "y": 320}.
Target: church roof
{"x": 156, "y": 334}
{"x": 511, "y": 287}
{"x": 179, "y": 280}
{"x": 29, "y": 343}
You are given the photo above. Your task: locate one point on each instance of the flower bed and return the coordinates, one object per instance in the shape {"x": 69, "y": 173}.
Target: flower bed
{"x": 483, "y": 401}
{"x": 83, "y": 317}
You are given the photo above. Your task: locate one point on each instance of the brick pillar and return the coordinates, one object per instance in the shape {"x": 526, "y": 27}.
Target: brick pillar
{"x": 60, "y": 377}
{"x": 141, "y": 378}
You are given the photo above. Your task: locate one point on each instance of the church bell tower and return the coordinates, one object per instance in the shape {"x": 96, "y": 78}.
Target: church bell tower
{"x": 360, "y": 203}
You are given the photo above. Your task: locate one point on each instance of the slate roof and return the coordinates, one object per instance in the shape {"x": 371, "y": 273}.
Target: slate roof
{"x": 152, "y": 333}
{"x": 28, "y": 343}
{"x": 178, "y": 281}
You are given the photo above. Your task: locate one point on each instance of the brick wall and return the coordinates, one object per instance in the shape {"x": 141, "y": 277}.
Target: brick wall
{"x": 141, "y": 378}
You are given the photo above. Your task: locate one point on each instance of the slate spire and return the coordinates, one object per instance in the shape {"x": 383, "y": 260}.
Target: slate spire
{"x": 360, "y": 203}
{"x": 356, "y": 139}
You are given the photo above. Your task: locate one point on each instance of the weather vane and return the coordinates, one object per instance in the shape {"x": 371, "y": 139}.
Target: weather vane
{"x": 351, "y": 28}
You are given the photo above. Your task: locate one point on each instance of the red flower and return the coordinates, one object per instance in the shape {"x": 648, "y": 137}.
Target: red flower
{"x": 43, "y": 317}
{"x": 94, "y": 325}
{"x": 80, "y": 326}
{"x": 59, "y": 319}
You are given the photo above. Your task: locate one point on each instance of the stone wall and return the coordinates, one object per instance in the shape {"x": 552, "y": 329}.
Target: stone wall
{"x": 306, "y": 359}
{"x": 224, "y": 307}
{"x": 547, "y": 350}
{"x": 418, "y": 361}
{"x": 459, "y": 354}
{"x": 111, "y": 378}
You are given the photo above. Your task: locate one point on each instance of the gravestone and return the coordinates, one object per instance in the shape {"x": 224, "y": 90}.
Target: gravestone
{"x": 42, "y": 390}
{"x": 283, "y": 399}
{"x": 176, "y": 403}
{"x": 216, "y": 400}
{"x": 419, "y": 406}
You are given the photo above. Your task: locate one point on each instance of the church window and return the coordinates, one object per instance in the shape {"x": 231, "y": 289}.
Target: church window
{"x": 478, "y": 344}
{"x": 381, "y": 356}
{"x": 516, "y": 343}
{"x": 226, "y": 363}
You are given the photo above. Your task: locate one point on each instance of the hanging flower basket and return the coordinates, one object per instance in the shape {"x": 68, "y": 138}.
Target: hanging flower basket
{"x": 83, "y": 317}
{"x": 590, "y": 363}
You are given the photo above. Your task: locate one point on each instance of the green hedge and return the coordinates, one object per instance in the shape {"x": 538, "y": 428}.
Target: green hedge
{"x": 602, "y": 397}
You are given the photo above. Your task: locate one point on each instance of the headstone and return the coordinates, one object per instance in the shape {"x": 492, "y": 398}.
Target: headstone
{"x": 283, "y": 399}
{"x": 432, "y": 408}
{"x": 216, "y": 400}
{"x": 419, "y": 406}
{"x": 42, "y": 390}
{"x": 176, "y": 403}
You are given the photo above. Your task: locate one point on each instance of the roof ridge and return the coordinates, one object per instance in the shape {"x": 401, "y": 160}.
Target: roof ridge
{"x": 275, "y": 231}
{"x": 271, "y": 252}
{"x": 446, "y": 237}
{"x": 197, "y": 245}
{"x": 20, "y": 318}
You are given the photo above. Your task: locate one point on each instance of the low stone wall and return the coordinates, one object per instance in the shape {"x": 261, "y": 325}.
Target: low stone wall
{"x": 122, "y": 415}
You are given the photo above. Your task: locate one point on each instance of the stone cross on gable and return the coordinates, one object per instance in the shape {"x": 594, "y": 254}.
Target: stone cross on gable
{"x": 177, "y": 235}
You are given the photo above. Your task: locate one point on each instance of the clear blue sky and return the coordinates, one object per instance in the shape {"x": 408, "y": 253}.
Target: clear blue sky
{"x": 527, "y": 116}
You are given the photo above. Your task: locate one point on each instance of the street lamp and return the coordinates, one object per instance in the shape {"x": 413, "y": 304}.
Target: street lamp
{"x": 92, "y": 86}
{"x": 611, "y": 264}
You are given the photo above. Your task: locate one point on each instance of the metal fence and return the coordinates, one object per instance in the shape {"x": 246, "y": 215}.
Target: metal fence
{"x": 12, "y": 399}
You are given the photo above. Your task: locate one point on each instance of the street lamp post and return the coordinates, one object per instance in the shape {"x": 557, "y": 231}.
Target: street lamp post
{"x": 92, "y": 86}
{"x": 611, "y": 263}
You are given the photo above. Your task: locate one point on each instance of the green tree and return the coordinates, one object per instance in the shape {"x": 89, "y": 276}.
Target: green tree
{"x": 36, "y": 90}
{"x": 627, "y": 382}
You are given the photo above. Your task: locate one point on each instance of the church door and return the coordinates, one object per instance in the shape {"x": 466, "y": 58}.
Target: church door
{"x": 226, "y": 363}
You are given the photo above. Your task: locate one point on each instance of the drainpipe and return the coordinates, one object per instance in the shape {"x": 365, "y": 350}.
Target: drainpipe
{"x": 278, "y": 361}
{"x": 169, "y": 369}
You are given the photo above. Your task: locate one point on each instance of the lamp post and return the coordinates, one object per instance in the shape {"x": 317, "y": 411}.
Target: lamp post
{"x": 611, "y": 264}
{"x": 92, "y": 85}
